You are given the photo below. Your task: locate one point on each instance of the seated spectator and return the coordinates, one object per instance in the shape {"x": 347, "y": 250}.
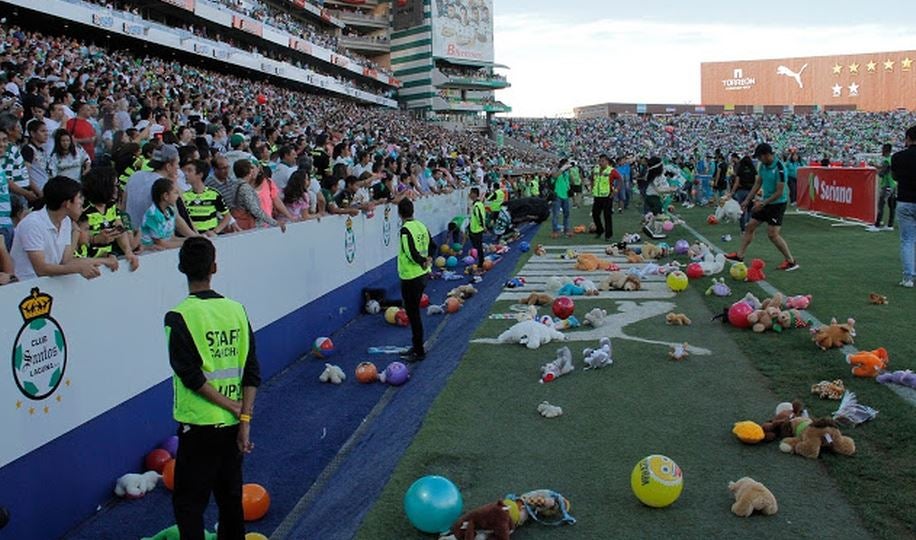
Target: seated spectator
{"x": 12, "y": 162}
{"x": 164, "y": 164}
{"x": 345, "y": 201}
{"x": 43, "y": 243}
{"x": 67, "y": 159}
{"x": 286, "y": 165}
{"x": 161, "y": 220}
{"x": 297, "y": 197}
{"x": 209, "y": 213}
{"x": 34, "y": 154}
{"x": 247, "y": 210}
{"x": 6, "y": 266}
{"x": 80, "y": 128}
{"x": 100, "y": 224}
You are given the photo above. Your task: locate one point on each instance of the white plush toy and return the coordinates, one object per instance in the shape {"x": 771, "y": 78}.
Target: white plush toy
{"x": 135, "y": 486}
{"x": 562, "y": 365}
{"x": 435, "y": 309}
{"x": 595, "y": 317}
{"x": 332, "y": 374}
{"x": 713, "y": 264}
{"x": 600, "y": 357}
{"x": 752, "y": 300}
{"x": 555, "y": 283}
{"x": 530, "y": 333}
{"x": 549, "y": 411}
{"x": 729, "y": 210}
{"x": 697, "y": 251}
{"x": 530, "y": 313}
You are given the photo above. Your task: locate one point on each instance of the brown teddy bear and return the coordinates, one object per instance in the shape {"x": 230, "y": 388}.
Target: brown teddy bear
{"x": 835, "y": 335}
{"x": 620, "y": 281}
{"x": 651, "y": 251}
{"x": 587, "y": 262}
{"x": 780, "y": 426}
{"x": 751, "y": 495}
{"x": 762, "y": 319}
{"x": 813, "y": 435}
{"x": 633, "y": 257}
{"x": 498, "y": 518}
{"x": 877, "y": 299}
{"x": 538, "y": 299}
{"x": 677, "y": 319}
{"x": 462, "y": 292}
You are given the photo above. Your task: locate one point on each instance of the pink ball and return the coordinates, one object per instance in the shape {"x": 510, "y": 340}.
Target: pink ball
{"x": 694, "y": 271}
{"x": 737, "y": 314}
{"x": 473, "y": 253}
{"x": 668, "y": 226}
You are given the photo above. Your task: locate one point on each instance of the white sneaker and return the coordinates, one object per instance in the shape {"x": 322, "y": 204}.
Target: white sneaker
{"x": 872, "y": 228}
{"x": 908, "y": 283}
{"x": 887, "y": 228}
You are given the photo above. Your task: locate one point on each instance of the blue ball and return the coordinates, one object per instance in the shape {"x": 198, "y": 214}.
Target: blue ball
{"x": 451, "y": 262}
{"x": 524, "y": 247}
{"x": 432, "y": 504}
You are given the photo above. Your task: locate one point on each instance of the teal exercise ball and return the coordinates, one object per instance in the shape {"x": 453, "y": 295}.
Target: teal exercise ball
{"x": 432, "y": 504}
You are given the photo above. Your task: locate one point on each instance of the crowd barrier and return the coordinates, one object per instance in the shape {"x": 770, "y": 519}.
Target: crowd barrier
{"x": 89, "y": 389}
{"x": 850, "y": 193}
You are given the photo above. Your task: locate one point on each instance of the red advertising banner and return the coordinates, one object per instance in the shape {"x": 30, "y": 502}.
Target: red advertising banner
{"x": 247, "y": 25}
{"x": 842, "y": 192}
{"x": 300, "y": 45}
{"x": 183, "y": 4}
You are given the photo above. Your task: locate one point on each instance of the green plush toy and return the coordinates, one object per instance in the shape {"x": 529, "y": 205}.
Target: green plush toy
{"x": 171, "y": 533}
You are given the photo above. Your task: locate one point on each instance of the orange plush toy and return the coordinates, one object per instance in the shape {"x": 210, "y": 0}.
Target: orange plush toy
{"x": 868, "y": 363}
{"x": 835, "y": 334}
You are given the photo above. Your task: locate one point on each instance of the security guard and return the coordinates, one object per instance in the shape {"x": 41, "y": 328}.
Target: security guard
{"x": 211, "y": 351}
{"x": 603, "y": 191}
{"x": 414, "y": 259}
{"x": 478, "y": 224}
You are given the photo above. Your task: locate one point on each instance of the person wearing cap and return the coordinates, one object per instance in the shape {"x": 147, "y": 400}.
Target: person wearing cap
{"x": 239, "y": 151}
{"x": 772, "y": 177}
{"x": 165, "y": 164}
{"x": 903, "y": 169}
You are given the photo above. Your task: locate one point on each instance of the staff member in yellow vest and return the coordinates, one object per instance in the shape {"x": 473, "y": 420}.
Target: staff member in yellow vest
{"x": 211, "y": 350}
{"x": 414, "y": 259}
{"x": 478, "y": 224}
{"x": 603, "y": 178}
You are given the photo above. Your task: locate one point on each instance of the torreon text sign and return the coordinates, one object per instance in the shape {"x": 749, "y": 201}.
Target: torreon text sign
{"x": 880, "y": 81}
{"x": 842, "y": 192}
{"x": 463, "y": 29}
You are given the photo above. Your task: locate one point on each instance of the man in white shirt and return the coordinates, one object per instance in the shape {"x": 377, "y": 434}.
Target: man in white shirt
{"x": 285, "y": 167}
{"x": 42, "y": 245}
{"x": 54, "y": 121}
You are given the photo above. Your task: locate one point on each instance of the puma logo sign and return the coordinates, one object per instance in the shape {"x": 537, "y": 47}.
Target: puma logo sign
{"x": 783, "y": 70}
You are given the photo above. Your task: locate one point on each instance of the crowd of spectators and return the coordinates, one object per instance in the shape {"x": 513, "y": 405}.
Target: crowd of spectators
{"x": 470, "y": 73}
{"x": 138, "y": 152}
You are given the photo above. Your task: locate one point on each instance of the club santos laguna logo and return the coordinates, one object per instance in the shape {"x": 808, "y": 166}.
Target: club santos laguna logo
{"x": 829, "y": 192}
{"x": 40, "y": 349}
{"x": 739, "y": 81}
{"x": 386, "y": 226}
{"x": 350, "y": 241}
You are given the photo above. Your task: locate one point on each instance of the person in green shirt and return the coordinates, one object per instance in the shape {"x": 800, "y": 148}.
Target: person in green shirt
{"x": 887, "y": 190}
{"x": 575, "y": 184}
{"x": 771, "y": 176}
{"x": 561, "y": 200}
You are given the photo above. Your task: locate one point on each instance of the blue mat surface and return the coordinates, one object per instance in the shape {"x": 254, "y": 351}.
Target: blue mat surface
{"x": 302, "y": 425}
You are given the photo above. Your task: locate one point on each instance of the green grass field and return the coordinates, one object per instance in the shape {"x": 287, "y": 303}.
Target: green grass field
{"x": 484, "y": 433}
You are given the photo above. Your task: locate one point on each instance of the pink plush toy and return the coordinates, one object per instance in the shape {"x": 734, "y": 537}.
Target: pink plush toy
{"x": 801, "y": 301}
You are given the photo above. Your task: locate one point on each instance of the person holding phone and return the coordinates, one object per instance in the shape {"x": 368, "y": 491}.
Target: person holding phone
{"x": 100, "y": 225}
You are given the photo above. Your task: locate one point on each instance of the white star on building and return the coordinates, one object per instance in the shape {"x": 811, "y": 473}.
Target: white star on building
{"x": 837, "y": 90}
{"x": 853, "y": 89}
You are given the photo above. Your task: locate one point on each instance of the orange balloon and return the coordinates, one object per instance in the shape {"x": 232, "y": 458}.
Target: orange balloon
{"x": 255, "y": 501}
{"x": 168, "y": 474}
{"x": 452, "y": 305}
{"x": 366, "y": 372}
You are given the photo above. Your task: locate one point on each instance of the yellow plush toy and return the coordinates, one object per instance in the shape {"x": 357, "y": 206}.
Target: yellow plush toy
{"x": 748, "y": 432}
{"x": 677, "y": 319}
{"x": 751, "y": 495}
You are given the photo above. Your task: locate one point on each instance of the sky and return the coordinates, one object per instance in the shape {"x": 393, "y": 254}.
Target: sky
{"x": 572, "y": 53}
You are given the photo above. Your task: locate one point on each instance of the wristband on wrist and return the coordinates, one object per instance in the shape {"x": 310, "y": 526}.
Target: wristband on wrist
{"x": 245, "y": 418}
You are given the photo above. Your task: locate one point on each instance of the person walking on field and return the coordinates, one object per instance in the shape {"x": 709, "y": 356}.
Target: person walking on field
{"x": 603, "y": 178}
{"x": 903, "y": 168}
{"x": 414, "y": 260}
{"x": 887, "y": 190}
{"x": 771, "y": 176}
{"x": 216, "y": 376}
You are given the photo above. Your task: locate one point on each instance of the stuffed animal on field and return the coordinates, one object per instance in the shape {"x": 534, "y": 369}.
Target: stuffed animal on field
{"x": 540, "y": 251}
{"x": 748, "y": 432}
{"x": 135, "y": 486}
{"x": 587, "y": 285}
{"x": 903, "y": 377}
{"x": 538, "y": 299}
{"x": 752, "y": 301}
{"x": 332, "y": 374}
{"x": 679, "y": 352}
{"x": 719, "y": 288}
{"x": 750, "y": 496}
{"x": 835, "y": 335}
{"x": 171, "y": 533}
{"x": 713, "y": 264}
{"x": 868, "y": 363}
{"x": 555, "y": 283}
{"x": 600, "y": 357}
{"x": 531, "y": 334}
{"x": 775, "y": 301}
{"x": 728, "y": 210}
{"x": 801, "y": 301}
{"x": 762, "y": 319}
{"x": 496, "y": 520}
{"x": 560, "y": 366}
{"x": 788, "y": 319}
{"x": 549, "y": 411}
{"x": 620, "y": 281}
{"x": 780, "y": 426}
{"x": 814, "y": 435}
{"x": 877, "y": 299}
{"x": 462, "y": 292}
{"x": 697, "y": 251}
{"x": 829, "y": 389}
{"x": 651, "y": 251}
{"x": 633, "y": 257}
{"x": 595, "y": 317}
{"x": 588, "y": 262}
{"x": 755, "y": 272}
{"x": 677, "y": 319}
{"x": 571, "y": 289}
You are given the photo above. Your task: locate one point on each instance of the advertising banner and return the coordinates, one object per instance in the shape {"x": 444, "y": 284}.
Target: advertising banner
{"x": 463, "y": 29}
{"x": 850, "y": 193}
{"x": 183, "y": 4}
{"x": 247, "y": 25}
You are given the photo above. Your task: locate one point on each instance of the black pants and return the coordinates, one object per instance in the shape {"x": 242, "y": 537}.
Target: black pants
{"x": 208, "y": 461}
{"x": 793, "y": 189}
{"x": 411, "y": 291}
{"x": 887, "y": 196}
{"x": 602, "y": 205}
{"x": 477, "y": 242}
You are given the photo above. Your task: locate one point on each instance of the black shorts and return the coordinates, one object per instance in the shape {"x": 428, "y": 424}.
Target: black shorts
{"x": 575, "y": 189}
{"x": 770, "y": 214}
